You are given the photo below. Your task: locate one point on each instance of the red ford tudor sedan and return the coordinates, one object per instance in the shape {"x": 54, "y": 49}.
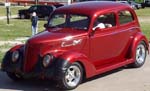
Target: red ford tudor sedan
{"x": 80, "y": 40}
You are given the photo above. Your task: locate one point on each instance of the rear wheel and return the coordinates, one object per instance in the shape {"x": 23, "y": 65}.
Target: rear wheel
{"x": 72, "y": 77}
{"x": 46, "y": 18}
{"x": 22, "y": 16}
{"x": 140, "y": 55}
{"x": 14, "y": 76}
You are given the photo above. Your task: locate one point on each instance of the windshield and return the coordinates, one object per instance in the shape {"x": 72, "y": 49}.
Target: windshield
{"x": 32, "y": 8}
{"x": 69, "y": 21}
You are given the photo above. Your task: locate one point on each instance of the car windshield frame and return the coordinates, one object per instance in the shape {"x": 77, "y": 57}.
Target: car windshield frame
{"x": 79, "y": 24}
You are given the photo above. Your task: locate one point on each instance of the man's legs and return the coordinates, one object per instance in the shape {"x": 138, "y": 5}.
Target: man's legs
{"x": 33, "y": 30}
{"x": 36, "y": 30}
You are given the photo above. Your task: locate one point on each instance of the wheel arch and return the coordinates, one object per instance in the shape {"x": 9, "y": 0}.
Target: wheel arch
{"x": 136, "y": 40}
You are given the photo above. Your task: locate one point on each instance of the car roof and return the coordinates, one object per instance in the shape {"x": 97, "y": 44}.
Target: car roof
{"x": 90, "y": 7}
{"x": 42, "y": 5}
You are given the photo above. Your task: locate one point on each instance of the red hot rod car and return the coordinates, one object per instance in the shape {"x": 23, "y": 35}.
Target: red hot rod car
{"x": 80, "y": 40}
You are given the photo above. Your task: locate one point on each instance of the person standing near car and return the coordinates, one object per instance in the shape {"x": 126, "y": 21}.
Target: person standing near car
{"x": 34, "y": 20}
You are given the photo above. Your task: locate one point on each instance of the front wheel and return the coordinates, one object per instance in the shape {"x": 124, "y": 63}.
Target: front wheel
{"x": 72, "y": 77}
{"x": 140, "y": 55}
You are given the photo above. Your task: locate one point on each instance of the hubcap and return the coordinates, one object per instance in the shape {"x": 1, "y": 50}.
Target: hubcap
{"x": 73, "y": 76}
{"x": 140, "y": 54}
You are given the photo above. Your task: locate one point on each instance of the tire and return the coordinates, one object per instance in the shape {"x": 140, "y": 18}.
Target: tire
{"x": 14, "y": 76}
{"x": 22, "y": 16}
{"x": 143, "y": 5}
{"x": 140, "y": 55}
{"x": 72, "y": 77}
{"x": 137, "y": 7}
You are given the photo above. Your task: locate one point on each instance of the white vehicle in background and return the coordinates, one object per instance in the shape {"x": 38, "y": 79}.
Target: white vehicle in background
{"x": 132, "y": 4}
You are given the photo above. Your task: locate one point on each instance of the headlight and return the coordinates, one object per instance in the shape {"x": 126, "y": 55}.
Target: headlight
{"x": 15, "y": 56}
{"x": 47, "y": 60}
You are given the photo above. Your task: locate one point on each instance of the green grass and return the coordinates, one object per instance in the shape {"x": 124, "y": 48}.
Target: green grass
{"x": 13, "y": 10}
{"x": 146, "y": 29}
{"x": 1, "y": 56}
{"x": 17, "y": 28}
{"x": 143, "y": 12}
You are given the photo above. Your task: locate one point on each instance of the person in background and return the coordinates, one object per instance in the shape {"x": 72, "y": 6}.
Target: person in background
{"x": 34, "y": 20}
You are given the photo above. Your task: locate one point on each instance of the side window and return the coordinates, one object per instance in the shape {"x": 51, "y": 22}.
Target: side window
{"x": 125, "y": 17}
{"x": 58, "y": 20}
{"x": 105, "y": 21}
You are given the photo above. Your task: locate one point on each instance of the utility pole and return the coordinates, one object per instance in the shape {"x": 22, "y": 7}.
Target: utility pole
{"x": 7, "y": 5}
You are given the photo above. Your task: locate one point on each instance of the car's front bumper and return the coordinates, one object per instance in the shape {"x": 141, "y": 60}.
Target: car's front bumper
{"x": 53, "y": 71}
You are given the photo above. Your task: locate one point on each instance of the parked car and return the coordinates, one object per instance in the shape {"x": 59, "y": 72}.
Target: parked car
{"x": 132, "y": 4}
{"x": 2, "y": 4}
{"x": 43, "y": 11}
{"x": 144, "y": 3}
{"x": 147, "y": 3}
{"x": 80, "y": 41}
{"x": 136, "y": 5}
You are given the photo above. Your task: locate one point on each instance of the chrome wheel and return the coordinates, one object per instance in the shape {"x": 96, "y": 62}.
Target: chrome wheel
{"x": 140, "y": 54}
{"x": 73, "y": 76}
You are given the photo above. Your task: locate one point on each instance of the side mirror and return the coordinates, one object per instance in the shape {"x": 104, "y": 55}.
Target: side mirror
{"x": 45, "y": 25}
{"x": 94, "y": 30}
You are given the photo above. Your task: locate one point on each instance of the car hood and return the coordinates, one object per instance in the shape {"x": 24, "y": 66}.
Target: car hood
{"x": 23, "y": 10}
{"x": 56, "y": 34}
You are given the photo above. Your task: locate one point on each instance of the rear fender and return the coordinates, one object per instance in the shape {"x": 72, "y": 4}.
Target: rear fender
{"x": 136, "y": 40}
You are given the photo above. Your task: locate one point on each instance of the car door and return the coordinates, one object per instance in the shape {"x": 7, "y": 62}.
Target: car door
{"x": 127, "y": 27}
{"x": 103, "y": 44}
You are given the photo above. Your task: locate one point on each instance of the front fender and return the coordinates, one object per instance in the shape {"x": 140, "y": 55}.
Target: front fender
{"x": 7, "y": 61}
{"x": 16, "y": 47}
{"x": 136, "y": 40}
{"x": 71, "y": 57}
